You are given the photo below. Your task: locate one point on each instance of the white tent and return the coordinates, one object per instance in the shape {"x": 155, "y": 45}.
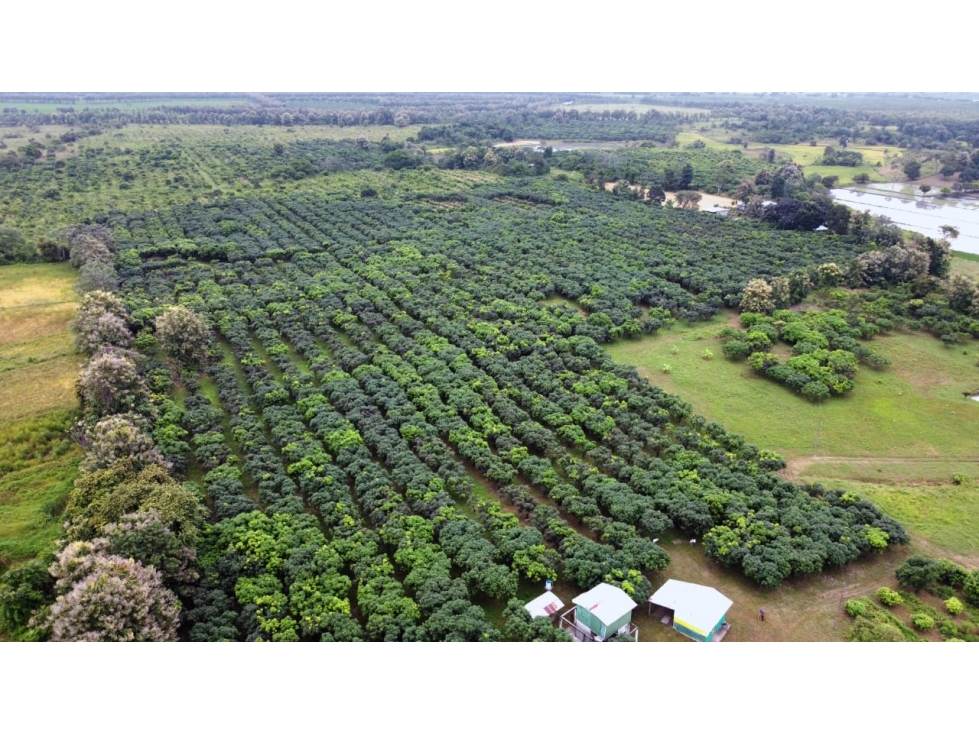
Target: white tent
{"x": 545, "y": 605}
{"x": 695, "y": 607}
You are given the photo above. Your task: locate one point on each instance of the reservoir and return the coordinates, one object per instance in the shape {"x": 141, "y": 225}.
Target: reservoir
{"x": 909, "y": 209}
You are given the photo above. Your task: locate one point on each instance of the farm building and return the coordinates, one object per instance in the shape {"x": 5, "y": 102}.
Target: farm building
{"x": 699, "y": 612}
{"x": 603, "y": 612}
{"x": 546, "y": 605}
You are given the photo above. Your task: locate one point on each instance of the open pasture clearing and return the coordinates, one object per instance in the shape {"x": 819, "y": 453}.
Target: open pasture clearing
{"x": 804, "y": 154}
{"x": 38, "y": 365}
{"x": 912, "y": 409}
{"x": 38, "y": 368}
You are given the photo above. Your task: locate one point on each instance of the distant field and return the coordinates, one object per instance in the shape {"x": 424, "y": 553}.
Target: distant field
{"x": 803, "y": 154}
{"x": 252, "y": 134}
{"x": 38, "y": 368}
{"x": 845, "y": 174}
{"x": 135, "y": 104}
{"x": 635, "y": 107}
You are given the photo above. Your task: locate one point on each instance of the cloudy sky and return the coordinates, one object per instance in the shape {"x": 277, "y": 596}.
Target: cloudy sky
{"x": 435, "y": 45}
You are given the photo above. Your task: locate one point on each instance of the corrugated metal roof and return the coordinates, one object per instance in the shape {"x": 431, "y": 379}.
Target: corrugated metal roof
{"x": 700, "y": 606}
{"x": 608, "y": 603}
{"x": 544, "y": 605}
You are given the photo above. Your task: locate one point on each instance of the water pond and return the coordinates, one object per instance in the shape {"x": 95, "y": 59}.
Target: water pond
{"x": 909, "y": 209}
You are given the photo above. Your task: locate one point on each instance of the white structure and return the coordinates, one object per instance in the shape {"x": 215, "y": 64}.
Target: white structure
{"x": 545, "y": 605}
{"x": 603, "y": 612}
{"x": 697, "y": 611}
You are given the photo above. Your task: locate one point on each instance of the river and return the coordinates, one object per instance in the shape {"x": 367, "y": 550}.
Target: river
{"x": 909, "y": 209}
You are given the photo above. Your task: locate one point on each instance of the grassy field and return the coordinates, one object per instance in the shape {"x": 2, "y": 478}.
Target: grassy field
{"x": 38, "y": 368}
{"x": 914, "y": 409}
{"x": 804, "y": 154}
{"x": 38, "y": 364}
{"x": 965, "y": 263}
{"x": 258, "y": 134}
{"x": 897, "y": 440}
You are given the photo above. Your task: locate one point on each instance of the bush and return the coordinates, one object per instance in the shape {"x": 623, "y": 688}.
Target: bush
{"x": 736, "y": 350}
{"x": 815, "y": 391}
{"x": 922, "y": 621}
{"x": 856, "y": 608}
{"x": 867, "y": 630}
{"x": 919, "y": 572}
{"x": 888, "y": 597}
{"x": 971, "y": 588}
{"x": 954, "y": 605}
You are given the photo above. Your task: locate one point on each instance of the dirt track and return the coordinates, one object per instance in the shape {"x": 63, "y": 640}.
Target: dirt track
{"x": 795, "y": 466}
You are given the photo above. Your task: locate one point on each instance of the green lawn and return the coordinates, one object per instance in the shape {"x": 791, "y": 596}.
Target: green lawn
{"x": 845, "y": 174}
{"x": 913, "y": 409}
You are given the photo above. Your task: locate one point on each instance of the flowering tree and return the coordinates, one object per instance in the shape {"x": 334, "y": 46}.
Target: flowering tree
{"x": 184, "y": 336}
{"x": 110, "y": 383}
{"x": 116, "y": 437}
{"x": 104, "y": 598}
{"x": 102, "y": 321}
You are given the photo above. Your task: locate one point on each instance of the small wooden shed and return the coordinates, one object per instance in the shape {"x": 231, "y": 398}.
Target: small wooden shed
{"x": 600, "y": 613}
{"x": 699, "y": 612}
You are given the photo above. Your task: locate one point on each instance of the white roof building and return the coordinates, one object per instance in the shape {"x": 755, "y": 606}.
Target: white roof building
{"x": 697, "y": 609}
{"x": 606, "y": 602}
{"x": 545, "y": 605}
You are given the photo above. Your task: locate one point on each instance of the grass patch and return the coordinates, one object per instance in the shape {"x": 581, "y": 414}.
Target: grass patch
{"x": 38, "y": 364}
{"x": 31, "y": 504}
{"x": 889, "y": 471}
{"x": 965, "y": 263}
{"x": 33, "y": 285}
{"x": 25, "y": 443}
{"x": 844, "y": 173}
{"x": 38, "y": 369}
{"x": 913, "y": 409}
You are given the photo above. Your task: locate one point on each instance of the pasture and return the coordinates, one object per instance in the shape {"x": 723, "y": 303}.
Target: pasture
{"x": 913, "y": 409}
{"x": 38, "y": 367}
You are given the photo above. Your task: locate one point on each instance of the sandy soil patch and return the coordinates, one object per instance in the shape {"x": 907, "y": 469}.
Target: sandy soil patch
{"x": 707, "y": 200}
